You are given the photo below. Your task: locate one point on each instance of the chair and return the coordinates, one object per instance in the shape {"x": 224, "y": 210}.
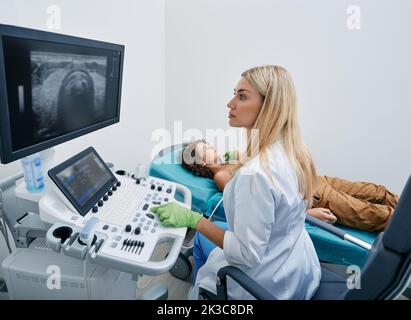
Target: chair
{"x": 385, "y": 274}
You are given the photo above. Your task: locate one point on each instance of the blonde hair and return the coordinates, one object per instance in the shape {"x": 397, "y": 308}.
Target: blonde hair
{"x": 278, "y": 121}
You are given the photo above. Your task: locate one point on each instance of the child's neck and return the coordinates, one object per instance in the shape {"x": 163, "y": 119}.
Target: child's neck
{"x": 215, "y": 167}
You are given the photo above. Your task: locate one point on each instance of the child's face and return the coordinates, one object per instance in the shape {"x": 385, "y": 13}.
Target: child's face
{"x": 206, "y": 154}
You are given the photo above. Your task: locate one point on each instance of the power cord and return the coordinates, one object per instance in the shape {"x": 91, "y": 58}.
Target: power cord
{"x": 145, "y": 286}
{"x": 3, "y": 226}
{"x": 88, "y": 290}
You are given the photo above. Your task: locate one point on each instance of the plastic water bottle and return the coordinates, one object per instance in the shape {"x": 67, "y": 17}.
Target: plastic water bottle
{"x": 33, "y": 173}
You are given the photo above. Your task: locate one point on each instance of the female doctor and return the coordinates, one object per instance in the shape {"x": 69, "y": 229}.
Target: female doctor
{"x": 266, "y": 200}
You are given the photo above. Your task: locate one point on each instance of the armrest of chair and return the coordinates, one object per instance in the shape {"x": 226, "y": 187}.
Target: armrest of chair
{"x": 243, "y": 280}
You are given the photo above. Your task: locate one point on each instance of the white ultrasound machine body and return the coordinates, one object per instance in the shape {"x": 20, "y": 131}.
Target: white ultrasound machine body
{"x": 106, "y": 218}
{"x": 99, "y": 235}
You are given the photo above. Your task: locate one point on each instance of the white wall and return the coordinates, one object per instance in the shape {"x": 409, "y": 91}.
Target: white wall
{"x": 353, "y": 85}
{"x": 139, "y": 25}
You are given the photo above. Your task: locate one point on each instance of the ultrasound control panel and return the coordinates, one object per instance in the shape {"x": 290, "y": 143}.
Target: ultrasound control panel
{"x": 116, "y": 228}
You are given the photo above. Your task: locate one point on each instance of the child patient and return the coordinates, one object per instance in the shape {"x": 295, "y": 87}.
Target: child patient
{"x": 361, "y": 205}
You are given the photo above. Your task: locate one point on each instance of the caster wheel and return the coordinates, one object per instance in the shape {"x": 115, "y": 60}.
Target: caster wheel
{"x": 182, "y": 268}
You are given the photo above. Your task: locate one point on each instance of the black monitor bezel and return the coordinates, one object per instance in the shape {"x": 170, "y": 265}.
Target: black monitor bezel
{"x": 82, "y": 210}
{"x": 7, "y": 154}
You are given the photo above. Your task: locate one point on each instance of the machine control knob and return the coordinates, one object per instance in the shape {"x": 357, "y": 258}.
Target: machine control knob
{"x": 128, "y": 228}
{"x": 118, "y": 183}
{"x": 95, "y": 209}
{"x": 114, "y": 188}
{"x": 137, "y": 231}
{"x": 153, "y": 187}
{"x": 159, "y": 188}
{"x": 110, "y": 192}
{"x": 100, "y": 203}
{"x": 105, "y": 197}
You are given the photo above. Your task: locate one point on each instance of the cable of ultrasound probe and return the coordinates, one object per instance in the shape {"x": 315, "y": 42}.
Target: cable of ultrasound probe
{"x": 215, "y": 208}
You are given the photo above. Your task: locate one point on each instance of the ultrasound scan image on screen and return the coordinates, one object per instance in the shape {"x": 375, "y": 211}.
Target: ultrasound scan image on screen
{"x": 56, "y": 90}
{"x": 84, "y": 178}
{"x": 68, "y": 91}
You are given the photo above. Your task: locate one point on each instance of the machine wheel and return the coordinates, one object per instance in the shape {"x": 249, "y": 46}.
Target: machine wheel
{"x": 182, "y": 268}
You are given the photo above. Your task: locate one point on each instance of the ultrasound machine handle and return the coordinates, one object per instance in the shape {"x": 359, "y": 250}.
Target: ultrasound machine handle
{"x": 152, "y": 268}
{"x": 186, "y": 193}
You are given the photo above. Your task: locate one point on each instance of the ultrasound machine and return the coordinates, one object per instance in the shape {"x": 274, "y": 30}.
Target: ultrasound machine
{"x": 90, "y": 234}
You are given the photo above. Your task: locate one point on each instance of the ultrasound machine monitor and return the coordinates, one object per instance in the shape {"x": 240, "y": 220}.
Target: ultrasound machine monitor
{"x": 83, "y": 180}
{"x": 54, "y": 88}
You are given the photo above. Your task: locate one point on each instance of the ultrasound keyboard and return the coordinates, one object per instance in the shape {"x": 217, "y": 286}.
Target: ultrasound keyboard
{"x": 119, "y": 229}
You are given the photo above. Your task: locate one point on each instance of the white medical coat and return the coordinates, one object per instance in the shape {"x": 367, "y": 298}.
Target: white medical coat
{"x": 266, "y": 236}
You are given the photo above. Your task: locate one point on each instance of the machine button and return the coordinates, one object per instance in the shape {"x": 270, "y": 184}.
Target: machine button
{"x": 166, "y": 199}
{"x": 143, "y": 219}
{"x": 146, "y": 228}
{"x": 135, "y": 220}
{"x": 153, "y": 230}
{"x": 169, "y": 190}
{"x": 137, "y": 230}
{"x": 110, "y": 193}
{"x": 145, "y": 206}
{"x": 95, "y": 209}
{"x": 138, "y": 214}
{"x": 128, "y": 228}
{"x": 159, "y": 188}
{"x": 151, "y": 216}
{"x": 114, "y": 244}
{"x": 100, "y": 203}
{"x": 148, "y": 222}
{"x": 74, "y": 218}
{"x": 153, "y": 187}
{"x": 140, "y": 225}
{"x": 105, "y": 227}
{"x": 156, "y": 202}
{"x": 105, "y": 197}
{"x": 114, "y": 229}
{"x": 118, "y": 238}
{"x": 114, "y": 188}
{"x": 138, "y": 181}
{"x": 118, "y": 183}
{"x": 155, "y": 225}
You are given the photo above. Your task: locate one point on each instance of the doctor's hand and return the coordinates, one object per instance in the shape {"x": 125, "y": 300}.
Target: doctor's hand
{"x": 323, "y": 214}
{"x": 174, "y": 215}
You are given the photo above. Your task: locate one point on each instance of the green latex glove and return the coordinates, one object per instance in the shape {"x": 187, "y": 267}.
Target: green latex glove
{"x": 174, "y": 215}
{"x": 230, "y": 155}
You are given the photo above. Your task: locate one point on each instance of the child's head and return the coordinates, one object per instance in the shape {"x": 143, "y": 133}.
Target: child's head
{"x": 197, "y": 156}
